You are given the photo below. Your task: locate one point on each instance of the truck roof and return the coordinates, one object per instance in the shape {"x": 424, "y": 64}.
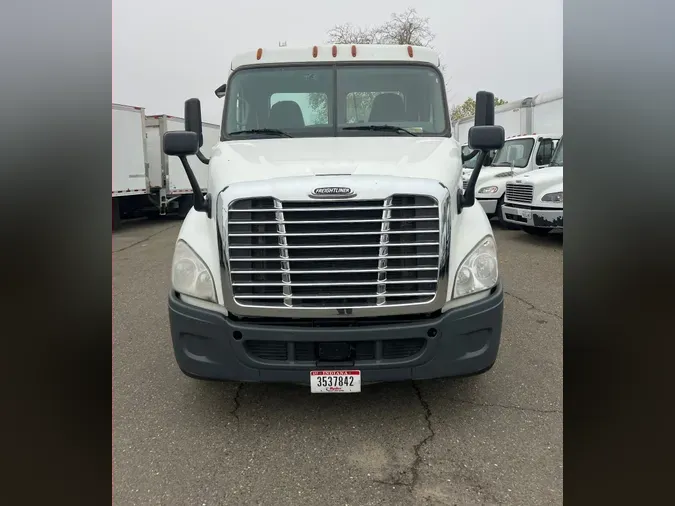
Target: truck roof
{"x": 338, "y": 53}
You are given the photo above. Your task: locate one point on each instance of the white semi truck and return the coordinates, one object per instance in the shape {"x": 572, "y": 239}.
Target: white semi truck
{"x": 534, "y": 201}
{"x": 331, "y": 252}
{"x": 145, "y": 181}
{"x": 533, "y": 128}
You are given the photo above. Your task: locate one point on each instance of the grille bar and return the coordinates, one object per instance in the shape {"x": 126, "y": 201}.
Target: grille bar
{"x": 336, "y": 271}
{"x": 357, "y": 296}
{"x": 330, "y": 259}
{"x": 326, "y": 234}
{"x": 283, "y": 253}
{"x": 357, "y": 283}
{"x": 333, "y": 254}
{"x": 364, "y": 208}
{"x": 383, "y": 253}
{"x": 327, "y": 246}
{"x": 325, "y": 222}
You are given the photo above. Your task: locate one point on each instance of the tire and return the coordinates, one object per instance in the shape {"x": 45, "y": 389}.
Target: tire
{"x": 500, "y": 216}
{"x": 541, "y": 232}
{"x": 116, "y": 219}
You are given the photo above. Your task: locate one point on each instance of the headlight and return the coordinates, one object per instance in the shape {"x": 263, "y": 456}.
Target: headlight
{"x": 488, "y": 189}
{"x": 478, "y": 271}
{"x": 189, "y": 274}
{"x": 553, "y": 197}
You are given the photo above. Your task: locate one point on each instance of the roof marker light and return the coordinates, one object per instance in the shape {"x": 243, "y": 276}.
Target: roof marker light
{"x": 410, "y": 51}
{"x": 353, "y": 50}
{"x": 315, "y": 51}
{"x": 258, "y": 54}
{"x": 334, "y": 51}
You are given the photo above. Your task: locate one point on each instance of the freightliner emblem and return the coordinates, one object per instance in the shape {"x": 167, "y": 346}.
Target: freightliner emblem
{"x": 332, "y": 192}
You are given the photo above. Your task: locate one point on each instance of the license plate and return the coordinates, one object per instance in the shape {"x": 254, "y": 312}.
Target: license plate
{"x": 335, "y": 382}
{"x": 524, "y": 213}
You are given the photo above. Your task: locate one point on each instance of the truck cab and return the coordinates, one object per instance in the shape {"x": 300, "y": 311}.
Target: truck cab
{"x": 335, "y": 245}
{"x": 520, "y": 154}
{"x": 534, "y": 202}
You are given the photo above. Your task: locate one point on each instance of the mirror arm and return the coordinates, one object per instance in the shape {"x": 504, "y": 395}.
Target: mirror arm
{"x": 200, "y": 203}
{"x": 202, "y": 158}
{"x": 468, "y": 198}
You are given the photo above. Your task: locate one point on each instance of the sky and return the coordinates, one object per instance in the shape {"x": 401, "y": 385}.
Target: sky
{"x": 166, "y": 51}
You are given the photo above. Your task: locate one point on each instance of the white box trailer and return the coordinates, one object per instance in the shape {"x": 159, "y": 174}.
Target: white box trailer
{"x": 542, "y": 113}
{"x": 129, "y": 161}
{"x": 169, "y": 185}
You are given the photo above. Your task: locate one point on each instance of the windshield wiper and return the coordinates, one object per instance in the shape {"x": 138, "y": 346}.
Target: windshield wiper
{"x": 262, "y": 131}
{"x": 381, "y": 128}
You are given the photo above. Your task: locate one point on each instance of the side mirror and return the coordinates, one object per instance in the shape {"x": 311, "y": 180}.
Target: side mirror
{"x": 485, "y": 109}
{"x": 179, "y": 143}
{"x": 193, "y": 119}
{"x": 182, "y": 145}
{"x": 220, "y": 90}
{"x": 486, "y": 138}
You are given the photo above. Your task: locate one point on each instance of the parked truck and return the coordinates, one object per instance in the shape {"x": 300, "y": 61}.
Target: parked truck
{"x": 534, "y": 202}
{"x": 129, "y": 162}
{"x": 527, "y": 146}
{"x": 520, "y": 154}
{"x": 170, "y": 190}
{"x": 328, "y": 252}
{"x": 146, "y": 182}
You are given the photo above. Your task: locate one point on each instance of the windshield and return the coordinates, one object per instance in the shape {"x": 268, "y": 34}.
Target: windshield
{"x": 557, "y": 159}
{"x": 516, "y": 151}
{"x": 469, "y": 164}
{"x": 331, "y": 100}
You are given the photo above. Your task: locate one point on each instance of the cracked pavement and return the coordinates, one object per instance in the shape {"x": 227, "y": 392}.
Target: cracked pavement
{"x": 490, "y": 439}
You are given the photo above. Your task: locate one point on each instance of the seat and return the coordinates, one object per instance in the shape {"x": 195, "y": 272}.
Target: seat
{"x": 387, "y": 107}
{"x": 285, "y": 114}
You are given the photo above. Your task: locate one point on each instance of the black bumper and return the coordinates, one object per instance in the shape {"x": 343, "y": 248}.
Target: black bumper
{"x": 460, "y": 342}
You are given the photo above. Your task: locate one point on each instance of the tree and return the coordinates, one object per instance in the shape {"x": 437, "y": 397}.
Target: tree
{"x": 406, "y": 28}
{"x": 468, "y": 108}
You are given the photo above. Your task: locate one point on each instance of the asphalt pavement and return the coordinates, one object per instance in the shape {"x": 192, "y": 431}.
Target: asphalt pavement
{"x": 496, "y": 438}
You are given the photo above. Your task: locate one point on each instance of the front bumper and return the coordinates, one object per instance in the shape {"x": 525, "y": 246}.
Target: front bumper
{"x": 533, "y": 216}
{"x": 462, "y": 341}
{"x": 489, "y": 205}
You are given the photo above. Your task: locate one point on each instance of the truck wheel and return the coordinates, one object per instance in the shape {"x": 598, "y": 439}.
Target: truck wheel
{"x": 541, "y": 232}
{"x": 500, "y": 216}
{"x": 116, "y": 220}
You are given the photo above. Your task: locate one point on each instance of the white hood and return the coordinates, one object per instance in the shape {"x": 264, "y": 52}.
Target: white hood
{"x": 543, "y": 177}
{"x": 547, "y": 180}
{"x": 261, "y": 159}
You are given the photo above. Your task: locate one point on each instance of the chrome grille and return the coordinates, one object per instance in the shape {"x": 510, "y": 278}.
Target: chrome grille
{"x": 516, "y": 192}
{"x": 337, "y": 254}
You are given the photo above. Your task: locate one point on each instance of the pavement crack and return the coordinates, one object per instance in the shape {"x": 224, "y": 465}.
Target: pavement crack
{"x": 532, "y": 306}
{"x": 507, "y": 406}
{"x": 430, "y": 436}
{"x": 237, "y": 404}
{"x": 145, "y": 239}
{"x": 414, "y": 468}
